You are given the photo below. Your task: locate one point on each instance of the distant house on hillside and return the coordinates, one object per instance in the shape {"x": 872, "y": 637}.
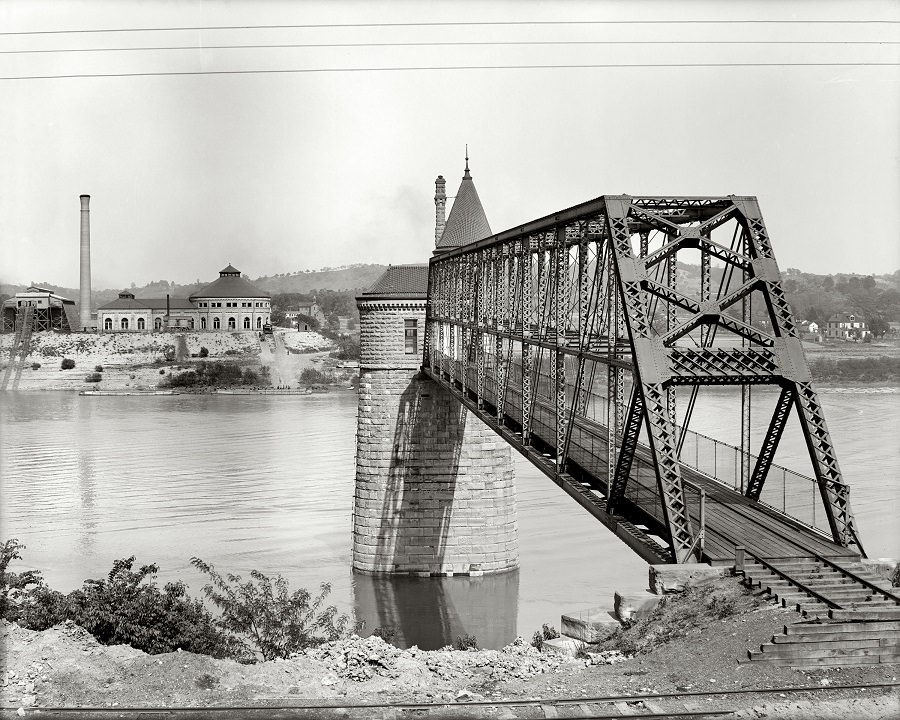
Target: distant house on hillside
{"x": 312, "y": 310}
{"x": 845, "y": 326}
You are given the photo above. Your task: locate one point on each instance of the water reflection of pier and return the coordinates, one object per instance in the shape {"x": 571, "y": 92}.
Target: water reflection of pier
{"x": 432, "y": 612}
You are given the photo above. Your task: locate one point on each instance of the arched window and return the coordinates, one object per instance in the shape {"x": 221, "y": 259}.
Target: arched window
{"x": 157, "y": 324}
{"x": 246, "y": 323}
{"x": 203, "y": 323}
{"x": 215, "y": 323}
{"x": 124, "y": 323}
{"x": 141, "y": 324}
{"x": 107, "y": 324}
{"x": 191, "y": 322}
{"x": 231, "y": 323}
{"x": 259, "y": 322}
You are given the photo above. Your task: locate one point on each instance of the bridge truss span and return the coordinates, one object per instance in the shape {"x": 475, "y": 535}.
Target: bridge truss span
{"x": 585, "y": 339}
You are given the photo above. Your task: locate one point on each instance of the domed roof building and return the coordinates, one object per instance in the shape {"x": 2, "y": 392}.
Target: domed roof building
{"x": 229, "y": 303}
{"x": 232, "y": 303}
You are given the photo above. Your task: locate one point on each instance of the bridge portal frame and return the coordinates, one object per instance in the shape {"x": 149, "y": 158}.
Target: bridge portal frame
{"x": 598, "y": 284}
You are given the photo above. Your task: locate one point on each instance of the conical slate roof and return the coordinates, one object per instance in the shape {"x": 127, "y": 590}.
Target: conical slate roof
{"x": 467, "y": 222}
{"x": 230, "y": 285}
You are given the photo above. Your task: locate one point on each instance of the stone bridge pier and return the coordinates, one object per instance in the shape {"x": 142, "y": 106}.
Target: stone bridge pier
{"x": 435, "y": 490}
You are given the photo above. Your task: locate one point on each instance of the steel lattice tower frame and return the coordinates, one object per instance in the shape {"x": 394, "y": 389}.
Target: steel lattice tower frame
{"x": 558, "y": 302}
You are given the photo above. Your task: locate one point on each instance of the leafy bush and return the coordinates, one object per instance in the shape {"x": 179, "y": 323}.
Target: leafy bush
{"x": 204, "y": 352}
{"x": 258, "y": 619}
{"x": 466, "y": 642}
{"x": 124, "y": 608}
{"x": 385, "y": 632}
{"x": 35, "y": 366}
{"x": 267, "y": 620}
{"x": 895, "y": 577}
{"x": 67, "y": 364}
{"x": 547, "y": 632}
{"x": 10, "y": 581}
{"x": 214, "y": 373}
{"x": 98, "y": 368}
{"x": 93, "y": 377}
{"x": 313, "y": 376}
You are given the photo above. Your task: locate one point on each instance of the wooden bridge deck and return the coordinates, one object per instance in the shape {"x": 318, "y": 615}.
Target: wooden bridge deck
{"x": 731, "y": 518}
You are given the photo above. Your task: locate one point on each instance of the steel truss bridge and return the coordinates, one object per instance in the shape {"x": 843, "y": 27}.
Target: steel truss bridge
{"x": 580, "y": 338}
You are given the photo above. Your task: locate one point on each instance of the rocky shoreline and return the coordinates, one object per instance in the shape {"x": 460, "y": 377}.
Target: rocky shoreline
{"x": 697, "y": 667}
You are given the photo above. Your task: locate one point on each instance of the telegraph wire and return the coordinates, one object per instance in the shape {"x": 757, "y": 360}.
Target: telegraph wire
{"x": 465, "y": 43}
{"x": 497, "y": 23}
{"x": 285, "y": 71}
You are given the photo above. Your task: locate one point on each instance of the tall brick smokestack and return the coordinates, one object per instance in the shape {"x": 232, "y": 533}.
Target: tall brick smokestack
{"x": 84, "y": 298}
{"x": 440, "y": 207}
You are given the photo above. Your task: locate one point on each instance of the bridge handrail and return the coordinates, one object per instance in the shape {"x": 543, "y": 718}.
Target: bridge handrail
{"x": 752, "y": 456}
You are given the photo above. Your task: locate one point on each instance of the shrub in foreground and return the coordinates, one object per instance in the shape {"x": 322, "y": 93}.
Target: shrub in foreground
{"x": 266, "y": 619}
{"x": 257, "y": 619}
{"x": 67, "y": 364}
{"x": 93, "y": 377}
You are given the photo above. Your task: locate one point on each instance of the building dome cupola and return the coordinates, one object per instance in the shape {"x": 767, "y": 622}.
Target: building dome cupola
{"x": 230, "y": 271}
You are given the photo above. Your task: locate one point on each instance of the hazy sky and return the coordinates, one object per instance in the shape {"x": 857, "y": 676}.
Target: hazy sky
{"x": 281, "y": 172}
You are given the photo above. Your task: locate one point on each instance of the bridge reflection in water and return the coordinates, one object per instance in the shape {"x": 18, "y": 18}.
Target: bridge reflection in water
{"x": 432, "y": 612}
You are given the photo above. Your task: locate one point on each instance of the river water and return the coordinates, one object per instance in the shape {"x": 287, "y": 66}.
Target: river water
{"x": 266, "y": 482}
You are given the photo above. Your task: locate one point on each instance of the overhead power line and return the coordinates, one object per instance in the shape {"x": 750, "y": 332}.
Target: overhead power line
{"x": 457, "y": 24}
{"x": 285, "y": 71}
{"x": 465, "y": 43}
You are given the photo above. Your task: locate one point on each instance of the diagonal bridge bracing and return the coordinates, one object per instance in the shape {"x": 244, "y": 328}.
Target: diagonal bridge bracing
{"x": 578, "y": 338}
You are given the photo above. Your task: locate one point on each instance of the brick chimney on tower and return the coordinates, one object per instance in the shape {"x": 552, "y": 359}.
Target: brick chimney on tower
{"x": 440, "y": 207}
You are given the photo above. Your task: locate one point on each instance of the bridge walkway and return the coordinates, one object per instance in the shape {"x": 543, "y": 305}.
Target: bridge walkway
{"x": 731, "y": 519}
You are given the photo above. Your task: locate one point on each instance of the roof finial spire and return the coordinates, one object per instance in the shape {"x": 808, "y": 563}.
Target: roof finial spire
{"x": 467, "y": 160}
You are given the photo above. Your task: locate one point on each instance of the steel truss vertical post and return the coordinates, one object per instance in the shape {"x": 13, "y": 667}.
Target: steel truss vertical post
{"x": 481, "y": 311}
{"x": 671, "y": 323}
{"x": 427, "y": 349}
{"x": 560, "y": 304}
{"x": 651, "y": 378}
{"x": 527, "y": 370}
{"x": 584, "y": 324}
{"x": 612, "y": 385}
{"x": 503, "y": 291}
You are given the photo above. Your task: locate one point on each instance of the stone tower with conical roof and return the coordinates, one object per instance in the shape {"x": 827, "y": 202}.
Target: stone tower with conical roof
{"x": 434, "y": 488}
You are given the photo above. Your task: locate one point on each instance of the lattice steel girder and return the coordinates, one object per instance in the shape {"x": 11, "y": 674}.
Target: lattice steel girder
{"x": 630, "y": 433}
{"x": 770, "y": 443}
{"x": 583, "y": 321}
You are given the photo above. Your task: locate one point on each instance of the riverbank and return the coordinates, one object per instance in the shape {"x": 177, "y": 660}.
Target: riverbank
{"x": 137, "y": 361}
{"x": 697, "y": 642}
{"x": 141, "y": 361}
